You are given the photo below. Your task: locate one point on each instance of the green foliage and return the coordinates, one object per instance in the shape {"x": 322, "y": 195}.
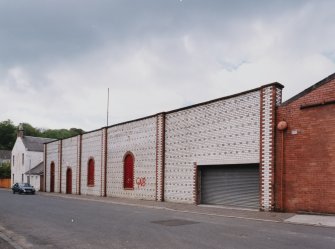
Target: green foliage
{"x": 5, "y": 170}
{"x": 7, "y": 135}
{"x": 62, "y": 133}
{"x": 31, "y": 131}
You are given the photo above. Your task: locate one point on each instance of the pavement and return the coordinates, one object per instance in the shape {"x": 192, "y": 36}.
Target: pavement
{"x": 6, "y": 243}
{"x": 209, "y": 210}
{"x": 315, "y": 220}
{"x": 212, "y": 210}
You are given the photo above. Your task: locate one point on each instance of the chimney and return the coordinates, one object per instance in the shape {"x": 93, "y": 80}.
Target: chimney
{"x": 20, "y": 133}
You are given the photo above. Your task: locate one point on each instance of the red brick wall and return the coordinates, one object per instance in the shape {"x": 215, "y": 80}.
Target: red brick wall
{"x": 306, "y": 166}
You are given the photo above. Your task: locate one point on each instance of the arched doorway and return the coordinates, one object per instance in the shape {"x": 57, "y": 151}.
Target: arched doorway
{"x": 90, "y": 173}
{"x": 52, "y": 177}
{"x": 128, "y": 178}
{"x": 69, "y": 181}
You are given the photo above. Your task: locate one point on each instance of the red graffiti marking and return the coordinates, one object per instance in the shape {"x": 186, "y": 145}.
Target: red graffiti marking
{"x": 140, "y": 181}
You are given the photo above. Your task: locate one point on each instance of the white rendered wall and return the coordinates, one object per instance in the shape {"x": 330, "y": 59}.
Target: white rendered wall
{"x": 31, "y": 159}
{"x": 35, "y": 181}
{"x": 92, "y": 144}
{"x": 221, "y": 132}
{"x": 17, "y": 168}
{"x": 138, "y": 138}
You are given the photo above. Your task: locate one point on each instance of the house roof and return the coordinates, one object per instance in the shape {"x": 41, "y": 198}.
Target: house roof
{"x": 310, "y": 89}
{"x": 35, "y": 143}
{"x": 37, "y": 170}
{"x": 5, "y": 154}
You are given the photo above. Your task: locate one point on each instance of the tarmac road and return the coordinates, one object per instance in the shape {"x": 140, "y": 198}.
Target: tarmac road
{"x": 46, "y": 221}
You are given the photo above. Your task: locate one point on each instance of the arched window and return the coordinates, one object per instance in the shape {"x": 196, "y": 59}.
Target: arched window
{"x": 90, "y": 172}
{"x": 128, "y": 178}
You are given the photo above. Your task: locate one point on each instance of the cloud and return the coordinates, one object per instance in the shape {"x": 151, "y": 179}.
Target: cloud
{"x": 59, "y": 57}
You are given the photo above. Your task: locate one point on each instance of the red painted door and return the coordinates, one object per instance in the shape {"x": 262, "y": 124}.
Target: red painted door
{"x": 69, "y": 181}
{"x": 129, "y": 172}
{"x": 52, "y": 177}
{"x": 90, "y": 175}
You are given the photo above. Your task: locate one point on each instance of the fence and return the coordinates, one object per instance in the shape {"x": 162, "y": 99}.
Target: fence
{"x": 5, "y": 183}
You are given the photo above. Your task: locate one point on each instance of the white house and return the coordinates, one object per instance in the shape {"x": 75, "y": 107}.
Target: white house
{"x": 27, "y": 158}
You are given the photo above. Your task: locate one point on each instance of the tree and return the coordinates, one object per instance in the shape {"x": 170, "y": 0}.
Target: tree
{"x": 7, "y": 135}
{"x": 30, "y": 130}
{"x": 76, "y": 131}
{"x": 61, "y": 133}
{"x": 5, "y": 170}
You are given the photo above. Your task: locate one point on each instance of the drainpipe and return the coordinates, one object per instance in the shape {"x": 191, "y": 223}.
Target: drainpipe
{"x": 282, "y": 126}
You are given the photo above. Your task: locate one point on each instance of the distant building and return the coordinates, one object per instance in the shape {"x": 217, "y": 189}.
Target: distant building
{"x": 26, "y": 158}
{"x": 5, "y": 156}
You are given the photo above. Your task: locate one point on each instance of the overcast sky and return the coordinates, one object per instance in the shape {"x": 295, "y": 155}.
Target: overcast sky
{"x": 58, "y": 57}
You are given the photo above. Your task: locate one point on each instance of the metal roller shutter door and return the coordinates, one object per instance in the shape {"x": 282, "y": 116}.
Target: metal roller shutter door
{"x": 230, "y": 185}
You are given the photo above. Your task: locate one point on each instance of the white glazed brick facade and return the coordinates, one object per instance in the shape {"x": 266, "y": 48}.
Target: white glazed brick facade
{"x": 52, "y": 155}
{"x": 278, "y": 96}
{"x": 70, "y": 151}
{"x": 168, "y": 147}
{"x": 270, "y": 98}
{"x": 92, "y": 147}
{"x": 104, "y": 162}
{"x": 221, "y": 132}
{"x": 18, "y": 167}
{"x": 139, "y": 138}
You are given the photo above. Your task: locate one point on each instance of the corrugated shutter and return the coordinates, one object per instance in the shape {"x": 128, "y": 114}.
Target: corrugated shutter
{"x": 230, "y": 185}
